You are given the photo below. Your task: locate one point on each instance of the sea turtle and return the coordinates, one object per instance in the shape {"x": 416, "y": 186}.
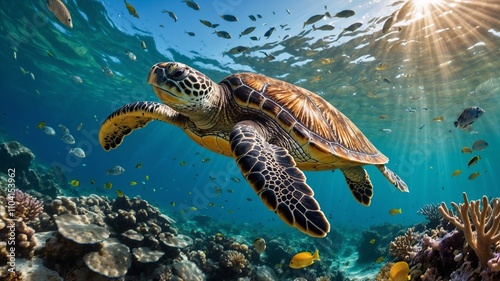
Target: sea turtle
{"x": 271, "y": 128}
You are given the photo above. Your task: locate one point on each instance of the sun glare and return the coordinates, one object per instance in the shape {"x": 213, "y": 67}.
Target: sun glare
{"x": 424, "y": 4}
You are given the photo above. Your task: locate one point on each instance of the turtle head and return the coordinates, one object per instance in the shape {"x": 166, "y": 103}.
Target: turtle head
{"x": 181, "y": 87}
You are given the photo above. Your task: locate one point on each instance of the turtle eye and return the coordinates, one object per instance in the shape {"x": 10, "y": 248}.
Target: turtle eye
{"x": 178, "y": 74}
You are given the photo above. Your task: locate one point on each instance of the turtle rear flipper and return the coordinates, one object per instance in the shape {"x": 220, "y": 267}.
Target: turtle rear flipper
{"x": 273, "y": 174}
{"x": 133, "y": 116}
{"x": 393, "y": 178}
{"x": 359, "y": 183}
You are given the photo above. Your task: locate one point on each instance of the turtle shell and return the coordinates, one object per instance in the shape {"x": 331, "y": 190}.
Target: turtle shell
{"x": 321, "y": 130}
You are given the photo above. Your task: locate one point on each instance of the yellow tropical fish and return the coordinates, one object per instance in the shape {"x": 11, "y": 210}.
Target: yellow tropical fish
{"x": 193, "y": 208}
{"x": 304, "y": 259}
{"x": 138, "y": 166}
{"x": 211, "y": 204}
{"x": 133, "y": 183}
{"x": 327, "y": 61}
{"x": 131, "y": 9}
{"x": 41, "y": 125}
{"x": 172, "y": 204}
{"x": 474, "y": 175}
{"x": 108, "y": 185}
{"x": 75, "y": 183}
{"x": 218, "y": 191}
{"x": 146, "y": 177}
{"x": 372, "y": 241}
{"x": 456, "y": 173}
{"x": 395, "y": 211}
{"x": 316, "y": 79}
{"x": 382, "y": 66}
{"x": 439, "y": 119}
{"x": 380, "y": 259}
{"x": 399, "y": 271}
{"x": 119, "y": 193}
{"x": 466, "y": 150}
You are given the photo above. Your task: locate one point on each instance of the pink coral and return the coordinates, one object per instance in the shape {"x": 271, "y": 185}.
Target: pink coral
{"x": 27, "y": 207}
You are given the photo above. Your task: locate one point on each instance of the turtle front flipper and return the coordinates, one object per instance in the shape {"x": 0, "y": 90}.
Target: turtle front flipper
{"x": 273, "y": 174}
{"x": 393, "y": 178}
{"x": 134, "y": 116}
{"x": 359, "y": 183}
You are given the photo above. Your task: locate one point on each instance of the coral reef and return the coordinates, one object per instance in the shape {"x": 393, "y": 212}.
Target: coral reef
{"x": 404, "y": 247}
{"x": 484, "y": 232}
{"x": 14, "y": 155}
{"x": 26, "y": 207}
{"x": 15, "y": 230}
{"x": 112, "y": 260}
{"x": 431, "y": 213}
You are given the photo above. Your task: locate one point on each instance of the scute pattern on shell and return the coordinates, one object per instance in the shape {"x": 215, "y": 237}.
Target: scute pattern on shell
{"x": 313, "y": 117}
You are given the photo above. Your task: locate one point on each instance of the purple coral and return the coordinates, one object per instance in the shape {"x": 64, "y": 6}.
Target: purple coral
{"x": 446, "y": 247}
{"x": 27, "y": 207}
{"x": 431, "y": 213}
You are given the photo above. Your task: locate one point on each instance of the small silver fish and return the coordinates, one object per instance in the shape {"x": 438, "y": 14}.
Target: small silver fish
{"x": 63, "y": 128}
{"x": 468, "y": 116}
{"x": 131, "y": 55}
{"x": 223, "y": 34}
{"x": 269, "y": 32}
{"x": 316, "y": 18}
{"x": 206, "y": 23}
{"x": 49, "y": 131}
{"x": 61, "y": 12}
{"x": 76, "y": 79}
{"x": 171, "y": 14}
{"x": 229, "y": 17}
{"x": 116, "y": 170}
{"x": 345, "y": 14}
{"x": 238, "y": 50}
{"x": 193, "y": 5}
{"x": 107, "y": 71}
{"x": 68, "y": 138}
{"x": 247, "y": 31}
{"x": 78, "y": 152}
{"x": 326, "y": 27}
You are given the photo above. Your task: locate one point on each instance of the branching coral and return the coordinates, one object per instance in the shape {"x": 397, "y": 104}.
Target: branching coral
{"x": 403, "y": 247}
{"x": 486, "y": 223}
{"x": 431, "y": 213}
{"x": 26, "y": 206}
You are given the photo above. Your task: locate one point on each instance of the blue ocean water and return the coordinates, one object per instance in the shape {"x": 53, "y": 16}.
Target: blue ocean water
{"x": 434, "y": 63}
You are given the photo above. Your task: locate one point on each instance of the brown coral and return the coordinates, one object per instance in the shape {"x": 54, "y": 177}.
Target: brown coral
{"x": 233, "y": 261}
{"x": 404, "y": 247}
{"x": 485, "y": 222}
